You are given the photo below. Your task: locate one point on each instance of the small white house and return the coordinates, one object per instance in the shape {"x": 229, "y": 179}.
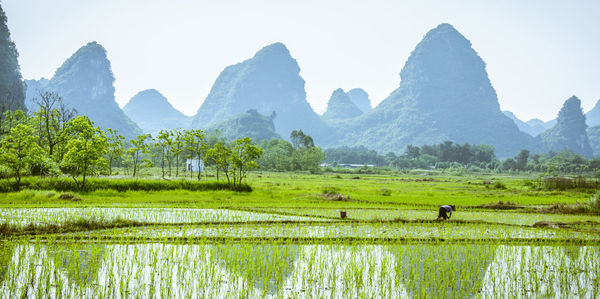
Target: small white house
{"x": 194, "y": 165}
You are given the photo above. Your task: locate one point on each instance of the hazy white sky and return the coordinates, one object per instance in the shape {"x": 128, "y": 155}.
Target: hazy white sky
{"x": 538, "y": 53}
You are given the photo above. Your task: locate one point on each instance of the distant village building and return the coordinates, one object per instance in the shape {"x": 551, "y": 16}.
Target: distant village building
{"x": 194, "y": 165}
{"x": 347, "y": 165}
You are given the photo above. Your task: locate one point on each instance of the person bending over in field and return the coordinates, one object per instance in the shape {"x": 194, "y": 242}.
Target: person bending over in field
{"x": 446, "y": 212}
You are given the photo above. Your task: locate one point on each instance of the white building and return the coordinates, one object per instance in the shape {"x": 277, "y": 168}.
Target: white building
{"x": 194, "y": 165}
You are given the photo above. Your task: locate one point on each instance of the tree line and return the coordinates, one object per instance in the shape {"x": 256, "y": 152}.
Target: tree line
{"x": 54, "y": 140}
{"x": 467, "y": 156}
{"x": 299, "y": 154}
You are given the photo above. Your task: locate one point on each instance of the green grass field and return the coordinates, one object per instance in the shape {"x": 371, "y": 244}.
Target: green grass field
{"x": 286, "y": 239}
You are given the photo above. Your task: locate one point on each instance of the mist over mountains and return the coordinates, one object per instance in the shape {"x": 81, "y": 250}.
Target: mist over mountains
{"x": 444, "y": 94}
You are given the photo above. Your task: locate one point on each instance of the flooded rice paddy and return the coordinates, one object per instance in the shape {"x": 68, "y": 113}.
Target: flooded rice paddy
{"x": 155, "y": 270}
{"x": 301, "y": 253}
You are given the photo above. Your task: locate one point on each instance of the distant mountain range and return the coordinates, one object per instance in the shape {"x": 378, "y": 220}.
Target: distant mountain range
{"x": 444, "y": 94}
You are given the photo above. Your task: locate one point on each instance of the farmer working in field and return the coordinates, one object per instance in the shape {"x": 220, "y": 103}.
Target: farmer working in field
{"x": 446, "y": 211}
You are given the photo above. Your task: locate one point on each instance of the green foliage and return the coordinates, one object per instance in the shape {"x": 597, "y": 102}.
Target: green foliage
{"x": 220, "y": 154}
{"x": 308, "y": 158}
{"x": 195, "y": 145}
{"x": 277, "y": 155}
{"x": 385, "y": 192}
{"x": 355, "y": 155}
{"x": 114, "y": 153}
{"x": 62, "y": 184}
{"x": 138, "y": 153}
{"x": 243, "y": 159}
{"x": 248, "y": 124}
{"x": 85, "y": 150}
{"x": 20, "y": 151}
{"x": 569, "y": 183}
{"x": 594, "y": 202}
{"x": 499, "y": 185}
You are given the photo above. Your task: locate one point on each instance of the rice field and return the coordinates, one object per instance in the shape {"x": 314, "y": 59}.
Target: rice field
{"x": 286, "y": 239}
{"x": 157, "y": 270}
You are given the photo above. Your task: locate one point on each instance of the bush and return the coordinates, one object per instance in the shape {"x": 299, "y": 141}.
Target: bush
{"x": 63, "y": 184}
{"x": 70, "y": 196}
{"x": 329, "y": 189}
{"x": 565, "y": 183}
{"x": 594, "y": 203}
{"x": 386, "y": 192}
{"x": 499, "y": 185}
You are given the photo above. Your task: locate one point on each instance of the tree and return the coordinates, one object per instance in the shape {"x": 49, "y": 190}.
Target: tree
{"x": 509, "y": 164}
{"x": 300, "y": 139}
{"x": 177, "y": 149}
{"x": 521, "y": 159}
{"x": 243, "y": 159}
{"x": 308, "y": 158}
{"x": 137, "y": 152}
{"x": 10, "y": 119}
{"x": 220, "y": 154}
{"x": 52, "y": 117}
{"x": 20, "y": 151}
{"x": 412, "y": 151}
{"x": 115, "y": 147}
{"x": 165, "y": 138}
{"x": 85, "y": 150}
{"x": 195, "y": 145}
{"x": 277, "y": 155}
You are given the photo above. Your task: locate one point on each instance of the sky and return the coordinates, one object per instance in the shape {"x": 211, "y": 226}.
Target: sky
{"x": 538, "y": 52}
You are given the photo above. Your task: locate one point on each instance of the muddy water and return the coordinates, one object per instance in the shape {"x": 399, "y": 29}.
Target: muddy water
{"x": 92, "y": 270}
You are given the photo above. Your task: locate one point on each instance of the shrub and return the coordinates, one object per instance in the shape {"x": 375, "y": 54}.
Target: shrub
{"x": 499, "y": 185}
{"x": 566, "y": 183}
{"x": 594, "y": 203}
{"x": 63, "y": 184}
{"x": 386, "y": 192}
{"x": 70, "y": 196}
{"x": 329, "y": 189}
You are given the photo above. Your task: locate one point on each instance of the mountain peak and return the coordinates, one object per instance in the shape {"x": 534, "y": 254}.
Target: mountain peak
{"x": 569, "y": 132}
{"x": 360, "y": 98}
{"x": 153, "y": 112}
{"x": 85, "y": 82}
{"x": 269, "y": 82}
{"x": 444, "y": 94}
{"x": 275, "y": 50}
{"x": 341, "y": 107}
{"x": 90, "y": 59}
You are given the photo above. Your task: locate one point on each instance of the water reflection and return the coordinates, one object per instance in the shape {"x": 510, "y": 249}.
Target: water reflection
{"x": 291, "y": 271}
{"x": 266, "y": 266}
{"x": 544, "y": 271}
{"x": 442, "y": 271}
{"x": 7, "y": 249}
{"x": 80, "y": 262}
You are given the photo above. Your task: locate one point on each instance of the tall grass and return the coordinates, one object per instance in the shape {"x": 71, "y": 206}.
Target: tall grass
{"x": 63, "y": 184}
